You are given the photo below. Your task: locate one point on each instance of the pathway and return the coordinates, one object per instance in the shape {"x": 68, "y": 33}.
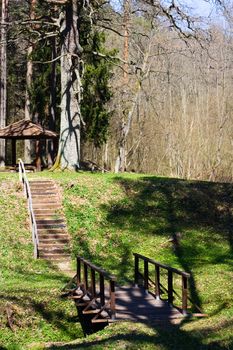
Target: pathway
{"x": 52, "y": 231}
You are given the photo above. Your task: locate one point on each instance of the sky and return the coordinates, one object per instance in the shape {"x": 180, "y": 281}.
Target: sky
{"x": 205, "y": 9}
{"x": 200, "y": 7}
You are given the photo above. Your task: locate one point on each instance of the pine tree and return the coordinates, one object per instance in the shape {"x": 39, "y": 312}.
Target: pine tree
{"x": 96, "y": 90}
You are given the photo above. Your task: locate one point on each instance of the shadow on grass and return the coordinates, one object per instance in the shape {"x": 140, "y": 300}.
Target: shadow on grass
{"x": 168, "y": 207}
{"x": 169, "y": 338}
{"x": 36, "y": 297}
{"x": 165, "y": 205}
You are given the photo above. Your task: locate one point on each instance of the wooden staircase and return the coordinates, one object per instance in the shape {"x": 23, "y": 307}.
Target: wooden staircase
{"x": 51, "y": 226}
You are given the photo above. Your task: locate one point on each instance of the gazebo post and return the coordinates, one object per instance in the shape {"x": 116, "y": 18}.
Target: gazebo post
{"x": 38, "y": 156}
{"x": 13, "y": 151}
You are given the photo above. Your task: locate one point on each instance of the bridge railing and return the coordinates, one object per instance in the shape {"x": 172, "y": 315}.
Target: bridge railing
{"x": 147, "y": 281}
{"x": 99, "y": 287}
{"x": 23, "y": 178}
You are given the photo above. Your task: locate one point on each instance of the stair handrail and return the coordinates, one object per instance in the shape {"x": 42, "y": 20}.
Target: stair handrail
{"x": 27, "y": 191}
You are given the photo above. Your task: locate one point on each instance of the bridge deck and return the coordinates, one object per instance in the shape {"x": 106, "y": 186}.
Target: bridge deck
{"x": 134, "y": 304}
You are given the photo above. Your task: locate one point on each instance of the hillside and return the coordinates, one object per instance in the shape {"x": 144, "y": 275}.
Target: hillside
{"x": 109, "y": 217}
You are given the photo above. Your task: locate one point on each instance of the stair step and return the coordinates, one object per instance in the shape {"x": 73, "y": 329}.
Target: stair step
{"x": 46, "y": 205}
{"x": 49, "y": 235}
{"x": 46, "y": 199}
{"x": 54, "y": 256}
{"x": 47, "y": 226}
{"x": 50, "y": 222}
{"x": 43, "y": 189}
{"x": 49, "y": 188}
{"x": 46, "y": 240}
{"x": 47, "y": 211}
{"x": 44, "y": 218}
{"x": 43, "y": 202}
{"x": 54, "y": 248}
{"x": 43, "y": 192}
{"x": 35, "y": 181}
{"x": 37, "y": 188}
{"x": 45, "y": 196}
{"x": 51, "y": 230}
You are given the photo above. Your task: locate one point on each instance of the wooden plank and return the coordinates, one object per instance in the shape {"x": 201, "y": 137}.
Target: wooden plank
{"x": 135, "y": 304}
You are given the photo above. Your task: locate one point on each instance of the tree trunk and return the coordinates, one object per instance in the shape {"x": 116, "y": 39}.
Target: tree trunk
{"x": 29, "y": 74}
{"x": 120, "y": 164}
{"x": 3, "y": 88}
{"x": 52, "y": 114}
{"x": 126, "y": 24}
{"x": 69, "y": 145}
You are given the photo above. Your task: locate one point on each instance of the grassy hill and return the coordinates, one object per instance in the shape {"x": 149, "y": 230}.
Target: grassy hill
{"x": 110, "y": 217}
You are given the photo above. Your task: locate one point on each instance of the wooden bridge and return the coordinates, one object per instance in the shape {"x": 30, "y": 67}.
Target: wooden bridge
{"x": 98, "y": 297}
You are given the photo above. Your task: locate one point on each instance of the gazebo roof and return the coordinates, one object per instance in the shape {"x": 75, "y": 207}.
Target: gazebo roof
{"x": 25, "y": 129}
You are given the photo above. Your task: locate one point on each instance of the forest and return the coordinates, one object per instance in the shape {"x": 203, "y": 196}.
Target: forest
{"x": 139, "y": 86}
{"x": 139, "y": 94}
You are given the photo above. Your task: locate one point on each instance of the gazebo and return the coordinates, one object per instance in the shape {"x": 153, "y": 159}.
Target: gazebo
{"x": 25, "y": 129}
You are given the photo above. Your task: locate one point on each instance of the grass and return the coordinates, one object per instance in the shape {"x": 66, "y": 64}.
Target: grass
{"x": 109, "y": 218}
{"x": 30, "y": 307}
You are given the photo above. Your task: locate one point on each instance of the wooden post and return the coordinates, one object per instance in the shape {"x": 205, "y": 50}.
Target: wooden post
{"x": 85, "y": 275}
{"x": 38, "y": 156}
{"x": 13, "y": 151}
{"x": 78, "y": 271}
{"x": 184, "y": 295}
{"x": 146, "y": 276}
{"x": 157, "y": 282}
{"x": 136, "y": 270}
{"x": 170, "y": 287}
{"x": 93, "y": 288}
{"x": 112, "y": 299}
{"x": 102, "y": 296}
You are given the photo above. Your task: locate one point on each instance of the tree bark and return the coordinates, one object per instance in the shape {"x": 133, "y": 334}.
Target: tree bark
{"x": 52, "y": 107}
{"x": 120, "y": 164}
{"x": 126, "y": 24}
{"x": 69, "y": 145}
{"x": 29, "y": 75}
{"x": 3, "y": 88}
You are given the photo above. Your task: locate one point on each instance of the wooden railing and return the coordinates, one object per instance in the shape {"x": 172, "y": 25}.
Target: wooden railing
{"x": 97, "y": 291}
{"x": 27, "y": 191}
{"x": 147, "y": 281}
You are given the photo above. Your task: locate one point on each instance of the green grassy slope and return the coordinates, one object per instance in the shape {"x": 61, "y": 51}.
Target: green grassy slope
{"x": 112, "y": 216}
{"x": 109, "y": 217}
{"x": 30, "y": 308}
